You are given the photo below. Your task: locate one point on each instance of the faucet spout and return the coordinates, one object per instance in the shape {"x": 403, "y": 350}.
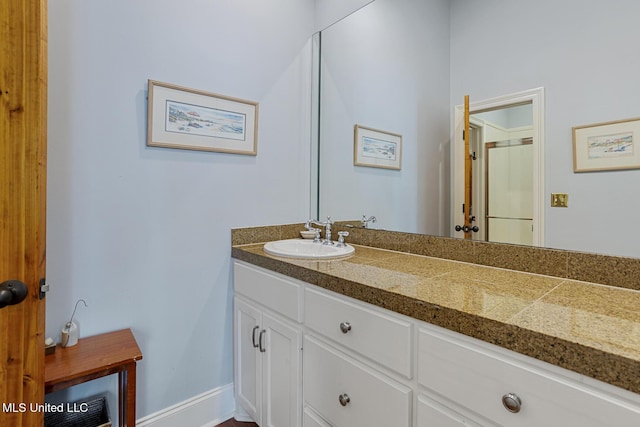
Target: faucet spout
{"x": 327, "y": 230}
{"x": 365, "y": 221}
{"x": 316, "y": 238}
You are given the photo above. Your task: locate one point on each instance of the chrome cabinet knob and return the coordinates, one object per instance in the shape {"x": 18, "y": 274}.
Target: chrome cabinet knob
{"x": 345, "y": 327}
{"x": 344, "y": 399}
{"x": 512, "y": 402}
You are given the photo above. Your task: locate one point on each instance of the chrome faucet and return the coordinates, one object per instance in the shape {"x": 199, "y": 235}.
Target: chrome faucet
{"x": 365, "y": 221}
{"x": 327, "y": 230}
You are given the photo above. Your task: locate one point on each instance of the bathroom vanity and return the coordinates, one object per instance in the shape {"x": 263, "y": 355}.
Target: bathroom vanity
{"x": 390, "y": 338}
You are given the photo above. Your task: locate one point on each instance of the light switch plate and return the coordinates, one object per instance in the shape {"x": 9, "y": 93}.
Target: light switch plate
{"x": 559, "y": 200}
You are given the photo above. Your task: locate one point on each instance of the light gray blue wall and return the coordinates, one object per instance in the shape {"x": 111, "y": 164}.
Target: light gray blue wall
{"x": 584, "y": 53}
{"x": 327, "y": 12}
{"x": 143, "y": 234}
{"x": 387, "y": 67}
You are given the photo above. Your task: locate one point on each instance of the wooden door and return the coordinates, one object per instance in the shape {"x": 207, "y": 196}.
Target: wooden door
{"x": 468, "y": 172}
{"x": 23, "y": 113}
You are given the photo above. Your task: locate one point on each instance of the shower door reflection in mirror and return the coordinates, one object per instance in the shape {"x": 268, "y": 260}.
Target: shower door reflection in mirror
{"x": 506, "y": 145}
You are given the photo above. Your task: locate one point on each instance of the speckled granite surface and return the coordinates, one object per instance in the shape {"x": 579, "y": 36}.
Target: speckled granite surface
{"x": 604, "y": 269}
{"x": 586, "y": 327}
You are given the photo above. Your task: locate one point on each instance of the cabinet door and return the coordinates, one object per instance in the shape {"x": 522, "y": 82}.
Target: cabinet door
{"x": 433, "y": 414}
{"x": 248, "y": 370}
{"x": 281, "y": 373}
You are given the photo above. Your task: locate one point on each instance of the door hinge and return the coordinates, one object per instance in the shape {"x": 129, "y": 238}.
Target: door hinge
{"x": 44, "y": 288}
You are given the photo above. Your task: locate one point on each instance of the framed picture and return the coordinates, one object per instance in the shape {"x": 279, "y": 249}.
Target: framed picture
{"x": 607, "y": 146}
{"x": 191, "y": 119}
{"x": 376, "y": 148}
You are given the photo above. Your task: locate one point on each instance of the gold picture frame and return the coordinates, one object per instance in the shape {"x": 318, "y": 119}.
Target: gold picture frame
{"x": 607, "y": 146}
{"x": 191, "y": 119}
{"x": 376, "y": 148}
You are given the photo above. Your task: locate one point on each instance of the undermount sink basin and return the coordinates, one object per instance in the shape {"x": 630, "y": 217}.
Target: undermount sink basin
{"x": 306, "y": 249}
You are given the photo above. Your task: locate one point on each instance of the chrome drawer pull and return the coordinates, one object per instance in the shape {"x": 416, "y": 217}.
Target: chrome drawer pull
{"x": 512, "y": 402}
{"x": 345, "y": 327}
{"x": 344, "y": 399}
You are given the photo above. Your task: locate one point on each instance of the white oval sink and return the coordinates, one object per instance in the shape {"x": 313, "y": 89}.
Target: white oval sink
{"x": 306, "y": 249}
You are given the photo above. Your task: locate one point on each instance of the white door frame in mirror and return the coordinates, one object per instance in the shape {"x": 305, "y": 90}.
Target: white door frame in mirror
{"x": 536, "y": 98}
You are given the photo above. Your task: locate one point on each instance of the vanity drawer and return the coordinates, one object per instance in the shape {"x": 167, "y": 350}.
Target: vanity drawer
{"x": 368, "y": 397}
{"x": 430, "y": 413}
{"x": 381, "y": 337}
{"x": 476, "y": 379}
{"x": 279, "y": 293}
{"x": 311, "y": 419}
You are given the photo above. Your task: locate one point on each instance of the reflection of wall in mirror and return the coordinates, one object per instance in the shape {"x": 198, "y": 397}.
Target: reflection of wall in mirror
{"x": 372, "y": 76}
{"x": 581, "y": 87}
{"x": 328, "y": 12}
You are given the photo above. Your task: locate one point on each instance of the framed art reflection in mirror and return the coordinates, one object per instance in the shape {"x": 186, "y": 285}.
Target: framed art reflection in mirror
{"x": 376, "y": 148}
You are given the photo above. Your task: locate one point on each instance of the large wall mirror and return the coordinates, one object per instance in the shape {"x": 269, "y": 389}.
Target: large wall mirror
{"x": 403, "y": 66}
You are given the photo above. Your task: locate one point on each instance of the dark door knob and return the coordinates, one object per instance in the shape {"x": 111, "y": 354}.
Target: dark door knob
{"x": 12, "y": 292}
{"x": 467, "y": 228}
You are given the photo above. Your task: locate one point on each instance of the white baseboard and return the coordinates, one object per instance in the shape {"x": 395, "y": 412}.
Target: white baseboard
{"x": 205, "y": 410}
{"x": 242, "y": 416}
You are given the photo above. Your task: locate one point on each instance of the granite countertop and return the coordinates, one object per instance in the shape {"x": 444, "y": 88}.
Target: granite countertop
{"x": 585, "y": 327}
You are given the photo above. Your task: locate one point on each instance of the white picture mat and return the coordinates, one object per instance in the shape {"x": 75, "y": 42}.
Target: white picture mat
{"x": 160, "y": 94}
{"x": 377, "y": 148}
{"x": 588, "y": 158}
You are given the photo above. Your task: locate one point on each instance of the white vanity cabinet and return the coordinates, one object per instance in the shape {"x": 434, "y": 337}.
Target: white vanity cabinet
{"x": 342, "y": 334}
{"x": 312, "y": 419}
{"x": 267, "y": 344}
{"x": 430, "y": 413}
{"x": 383, "y": 337}
{"x": 348, "y": 393}
{"x": 507, "y": 390}
{"x": 309, "y": 357}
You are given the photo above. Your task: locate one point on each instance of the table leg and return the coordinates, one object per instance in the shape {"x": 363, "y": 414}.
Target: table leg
{"x": 127, "y": 396}
{"x": 131, "y": 395}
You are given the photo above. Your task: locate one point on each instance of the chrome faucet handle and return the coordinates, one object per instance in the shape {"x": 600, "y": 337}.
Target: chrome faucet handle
{"x": 317, "y": 238}
{"x": 341, "y": 236}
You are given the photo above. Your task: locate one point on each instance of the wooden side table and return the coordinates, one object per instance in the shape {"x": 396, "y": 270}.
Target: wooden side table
{"x": 95, "y": 357}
